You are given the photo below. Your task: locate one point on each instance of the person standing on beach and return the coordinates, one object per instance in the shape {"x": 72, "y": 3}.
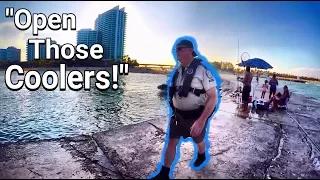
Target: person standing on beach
{"x": 264, "y": 89}
{"x": 193, "y": 99}
{"x": 246, "y": 88}
{"x": 273, "y": 86}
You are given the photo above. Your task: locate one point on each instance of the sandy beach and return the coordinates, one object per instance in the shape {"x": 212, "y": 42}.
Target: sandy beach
{"x": 242, "y": 145}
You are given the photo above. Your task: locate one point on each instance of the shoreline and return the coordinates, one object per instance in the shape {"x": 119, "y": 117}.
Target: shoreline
{"x": 242, "y": 148}
{"x": 227, "y": 87}
{"x": 149, "y": 71}
{"x": 239, "y": 141}
{"x": 131, "y": 69}
{"x": 225, "y": 91}
{"x": 142, "y": 69}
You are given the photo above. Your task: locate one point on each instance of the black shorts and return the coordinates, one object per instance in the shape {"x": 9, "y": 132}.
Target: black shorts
{"x": 246, "y": 93}
{"x": 273, "y": 91}
{"x": 181, "y": 123}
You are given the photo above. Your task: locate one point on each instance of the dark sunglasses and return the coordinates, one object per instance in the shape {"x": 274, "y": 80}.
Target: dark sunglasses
{"x": 180, "y": 48}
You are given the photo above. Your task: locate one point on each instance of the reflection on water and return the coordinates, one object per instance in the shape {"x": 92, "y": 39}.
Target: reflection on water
{"x": 41, "y": 114}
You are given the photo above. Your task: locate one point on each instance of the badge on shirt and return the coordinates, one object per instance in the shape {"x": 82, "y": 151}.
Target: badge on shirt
{"x": 189, "y": 71}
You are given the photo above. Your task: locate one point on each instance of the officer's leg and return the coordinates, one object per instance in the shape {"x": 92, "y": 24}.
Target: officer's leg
{"x": 168, "y": 159}
{"x": 175, "y": 132}
{"x": 170, "y": 152}
{"x": 201, "y": 145}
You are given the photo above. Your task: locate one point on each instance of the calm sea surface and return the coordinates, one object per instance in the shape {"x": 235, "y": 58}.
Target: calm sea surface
{"x": 27, "y": 115}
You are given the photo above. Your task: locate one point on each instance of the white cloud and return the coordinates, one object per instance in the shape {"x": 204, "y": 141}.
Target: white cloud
{"x": 309, "y": 72}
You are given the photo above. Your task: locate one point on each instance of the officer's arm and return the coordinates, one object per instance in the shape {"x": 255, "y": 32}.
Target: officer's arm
{"x": 210, "y": 104}
{"x": 209, "y": 84}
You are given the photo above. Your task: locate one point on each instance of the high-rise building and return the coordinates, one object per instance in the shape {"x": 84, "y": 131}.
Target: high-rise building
{"x": 42, "y": 48}
{"x": 3, "y": 54}
{"x": 88, "y": 37}
{"x": 112, "y": 25}
{"x": 10, "y": 54}
{"x": 13, "y": 54}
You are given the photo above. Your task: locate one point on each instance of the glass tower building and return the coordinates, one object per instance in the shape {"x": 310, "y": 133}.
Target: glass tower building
{"x": 112, "y": 26}
{"x": 88, "y": 37}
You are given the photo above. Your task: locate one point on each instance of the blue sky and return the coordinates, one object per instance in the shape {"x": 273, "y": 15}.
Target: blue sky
{"x": 285, "y": 34}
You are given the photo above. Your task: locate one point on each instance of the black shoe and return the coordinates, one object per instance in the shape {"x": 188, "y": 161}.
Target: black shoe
{"x": 200, "y": 159}
{"x": 161, "y": 176}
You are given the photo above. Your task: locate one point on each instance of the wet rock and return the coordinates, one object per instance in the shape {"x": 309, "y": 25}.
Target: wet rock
{"x": 296, "y": 162}
{"x": 40, "y": 160}
{"x": 62, "y": 158}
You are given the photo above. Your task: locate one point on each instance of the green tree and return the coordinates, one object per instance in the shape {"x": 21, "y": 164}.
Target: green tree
{"x": 131, "y": 62}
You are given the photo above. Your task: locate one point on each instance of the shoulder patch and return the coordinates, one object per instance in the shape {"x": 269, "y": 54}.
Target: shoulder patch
{"x": 209, "y": 74}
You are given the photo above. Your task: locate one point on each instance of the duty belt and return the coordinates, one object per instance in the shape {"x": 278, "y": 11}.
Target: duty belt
{"x": 195, "y": 91}
{"x": 192, "y": 114}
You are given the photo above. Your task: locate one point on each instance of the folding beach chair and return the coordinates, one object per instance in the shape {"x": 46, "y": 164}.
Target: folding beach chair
{"x": 284, "y": 105}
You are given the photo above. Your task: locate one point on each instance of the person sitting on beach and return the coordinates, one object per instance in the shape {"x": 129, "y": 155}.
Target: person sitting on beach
{"x": 279, "y": 98}
{"x": 264, "y": 89}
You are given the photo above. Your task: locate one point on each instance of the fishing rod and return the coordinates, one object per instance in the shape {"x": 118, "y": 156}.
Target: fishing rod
{"x": 270, "y": 121}
{"x": 238, "y": 63}
{"x": 304, "y": 131}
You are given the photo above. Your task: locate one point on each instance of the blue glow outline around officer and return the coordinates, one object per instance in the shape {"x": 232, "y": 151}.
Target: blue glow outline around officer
{"x": 186, "y": 55}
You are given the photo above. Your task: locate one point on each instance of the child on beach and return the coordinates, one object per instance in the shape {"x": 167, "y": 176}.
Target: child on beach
{"x": 264, "y": 88}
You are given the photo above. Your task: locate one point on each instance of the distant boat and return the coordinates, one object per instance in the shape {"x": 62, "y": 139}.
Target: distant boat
{"x": 298, "y": 80}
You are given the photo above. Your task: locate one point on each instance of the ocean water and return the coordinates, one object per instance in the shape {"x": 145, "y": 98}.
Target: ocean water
{"x": 310, "y": 90}
{"x": 29, "y": 115}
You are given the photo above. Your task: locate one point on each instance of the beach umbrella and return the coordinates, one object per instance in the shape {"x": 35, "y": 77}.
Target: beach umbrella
{"x": 255, "y": 63}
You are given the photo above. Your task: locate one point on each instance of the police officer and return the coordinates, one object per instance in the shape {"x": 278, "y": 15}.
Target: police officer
{"x": 193, "y": 97}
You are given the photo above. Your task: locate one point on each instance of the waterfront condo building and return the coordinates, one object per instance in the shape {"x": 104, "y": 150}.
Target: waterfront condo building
{"x": 10, "y": 54}
{"x": 88, "y": 37}
{"x": 42, "y": 55}
{"x": 112, "y": 25}
{"x": 3, "y": 54}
